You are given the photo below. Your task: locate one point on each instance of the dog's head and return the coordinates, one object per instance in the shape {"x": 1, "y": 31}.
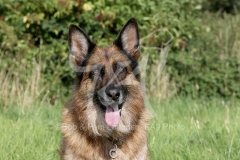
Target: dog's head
{"x": 108, "y": 90}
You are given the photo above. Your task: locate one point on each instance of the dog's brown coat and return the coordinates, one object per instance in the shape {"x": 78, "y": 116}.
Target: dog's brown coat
{"x": 86, "y": 136}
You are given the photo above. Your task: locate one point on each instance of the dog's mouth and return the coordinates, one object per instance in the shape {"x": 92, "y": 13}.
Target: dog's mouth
{"x": 111, "y": 103}
{"x": 112, "y": 114}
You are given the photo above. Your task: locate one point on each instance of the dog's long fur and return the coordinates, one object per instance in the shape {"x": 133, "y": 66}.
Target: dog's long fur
{"x": 86, "y": 135}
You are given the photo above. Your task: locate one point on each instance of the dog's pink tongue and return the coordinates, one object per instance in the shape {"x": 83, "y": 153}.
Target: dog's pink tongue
{"x": 112, "y": 116}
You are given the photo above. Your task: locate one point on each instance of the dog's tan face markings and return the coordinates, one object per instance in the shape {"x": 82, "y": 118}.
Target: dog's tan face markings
{"x": 109, "y": 65}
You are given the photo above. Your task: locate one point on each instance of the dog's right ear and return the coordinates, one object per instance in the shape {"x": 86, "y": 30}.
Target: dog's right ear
{"x": 79, "y": 44}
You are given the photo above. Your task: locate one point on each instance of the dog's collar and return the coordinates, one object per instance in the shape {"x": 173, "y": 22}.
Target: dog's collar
{"x": 116, "y": 141}
{"x": 113, "y": 153}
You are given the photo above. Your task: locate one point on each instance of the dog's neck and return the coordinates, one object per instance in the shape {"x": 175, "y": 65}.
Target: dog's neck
{"x": 116, "y": 141}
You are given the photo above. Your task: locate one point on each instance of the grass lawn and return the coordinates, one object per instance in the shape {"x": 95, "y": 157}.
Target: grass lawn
{"x": 182, "y": 129}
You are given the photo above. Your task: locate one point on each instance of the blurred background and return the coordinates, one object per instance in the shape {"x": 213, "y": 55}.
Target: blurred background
{"x": 190, "y": 64}
{"x": 202, "y": 36}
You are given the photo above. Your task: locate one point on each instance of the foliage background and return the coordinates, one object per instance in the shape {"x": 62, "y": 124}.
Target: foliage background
{"x": 203, "y": 61}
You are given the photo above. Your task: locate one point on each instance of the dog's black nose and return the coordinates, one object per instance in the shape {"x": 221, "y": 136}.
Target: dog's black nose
{"x": 113, "y": 92}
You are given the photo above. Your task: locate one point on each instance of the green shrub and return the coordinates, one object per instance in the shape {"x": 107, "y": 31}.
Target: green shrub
{"x": 37, "y": 30}
{"x": 229, "y": 6}
{"x": 210, "y": 64}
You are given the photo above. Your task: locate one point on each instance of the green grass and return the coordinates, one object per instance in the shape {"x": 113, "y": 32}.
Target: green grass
{"x": 181, "y": 129}
{"x": 30, "y": 133}
{"x": 189, "y": 130}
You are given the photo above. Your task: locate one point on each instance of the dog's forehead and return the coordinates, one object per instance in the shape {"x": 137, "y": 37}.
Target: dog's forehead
{"x": 107, "y": 55}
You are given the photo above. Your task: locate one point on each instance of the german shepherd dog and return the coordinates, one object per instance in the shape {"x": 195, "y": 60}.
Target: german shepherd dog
{"x": 106, "y": 117}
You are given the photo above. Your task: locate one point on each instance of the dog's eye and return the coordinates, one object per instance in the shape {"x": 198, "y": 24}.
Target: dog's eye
{"x": 121, "y": 69}
{"x": 96, "y": 72}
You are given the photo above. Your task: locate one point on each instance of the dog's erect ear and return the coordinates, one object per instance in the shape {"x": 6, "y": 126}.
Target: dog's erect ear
{"x": 79, "y": 45}
{"x": 128, "y": 39}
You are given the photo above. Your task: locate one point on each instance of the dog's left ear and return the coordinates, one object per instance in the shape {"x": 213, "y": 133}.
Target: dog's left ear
{"x": 128, "y": 39}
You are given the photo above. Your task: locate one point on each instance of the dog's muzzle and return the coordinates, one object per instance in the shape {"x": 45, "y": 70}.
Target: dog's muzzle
{"x": 111, "y": 99}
